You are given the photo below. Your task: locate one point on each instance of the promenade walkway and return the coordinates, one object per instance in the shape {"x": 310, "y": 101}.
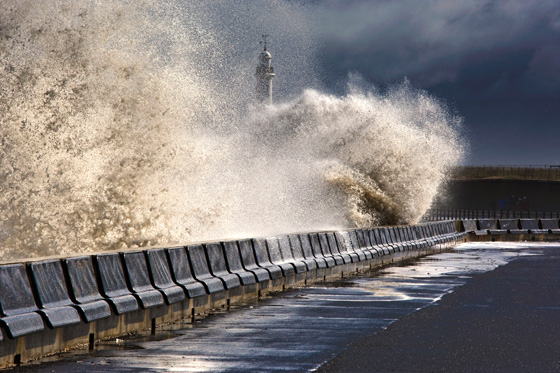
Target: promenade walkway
{"x": 334, "y": 326}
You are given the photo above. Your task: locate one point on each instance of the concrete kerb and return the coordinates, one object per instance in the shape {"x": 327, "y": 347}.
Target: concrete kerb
{"x": 188, "y": 269}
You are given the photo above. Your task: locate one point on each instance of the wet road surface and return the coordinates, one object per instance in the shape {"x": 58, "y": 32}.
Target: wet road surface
{"x": 506, "y": 320}
{"x": 373, "y": 322}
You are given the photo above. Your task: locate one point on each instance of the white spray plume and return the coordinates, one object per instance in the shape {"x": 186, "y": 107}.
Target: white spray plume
{"x": 130, "y": 124}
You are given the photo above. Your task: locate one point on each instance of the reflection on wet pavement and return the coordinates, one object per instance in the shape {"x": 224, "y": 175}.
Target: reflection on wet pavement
{"x": 300, "y": 329}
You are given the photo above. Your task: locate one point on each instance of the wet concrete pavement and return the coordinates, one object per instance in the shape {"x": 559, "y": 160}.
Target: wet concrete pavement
{"x": 373, "y": 322}
{"x": 506, "y": 320}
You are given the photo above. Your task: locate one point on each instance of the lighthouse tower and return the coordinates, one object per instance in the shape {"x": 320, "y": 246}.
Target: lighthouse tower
{"x": 264, "y": 76}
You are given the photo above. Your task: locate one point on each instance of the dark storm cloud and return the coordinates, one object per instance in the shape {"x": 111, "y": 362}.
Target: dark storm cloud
{"x": 497, "y": 62}
{"x": 440, "y": 41}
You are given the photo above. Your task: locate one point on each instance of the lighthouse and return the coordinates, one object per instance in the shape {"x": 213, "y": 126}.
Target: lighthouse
{"x": 264, "y": 75}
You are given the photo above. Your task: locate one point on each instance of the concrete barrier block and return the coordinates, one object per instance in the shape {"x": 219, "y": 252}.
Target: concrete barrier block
{"x": 364, "y": 239}
{"x": 181, "y": 272}
{"x": 469, "y": 225}
{"x": 511, "y": 226}
{"x": 487, "y": 224}
{"x": 308, "y": 252}
{"x": 248, "y": 261}
{"x": 217, "y": 265}
{"x": 161, "y": 276}
{"x": 201, "y": 270}
{"x": 386, "y": 243}
{"x": 285, "y": 246}
{"x": 409, "y": 236}
{"x": 233, "y": 261}
{"x": 136, "y": 270}
{"x": 532, "y": 226}
{"x": 51, "y": 293}
{"x": 317, "y": 250}
{"x": 299, "y": 255}
{"x": 421, "y": 243}
{"x": 275, "y": 255}
{"x": 261, "y": 257}
{"x": 406, "y": 235}
{"x": 320, "y": 245}
{"x": 83, "y": 289}
{"x": 359, "y": 243}
{"x": 395, "y": 239}
{"x": 112, "y": 283}
{"x": 376, "y": 246}
{"x": 345, "y": 247}
{"x": 551, "y": 225}
{"x": 18, "y": 311}
{"x": 327, "y": 264}
{"x": 334, "y": 249}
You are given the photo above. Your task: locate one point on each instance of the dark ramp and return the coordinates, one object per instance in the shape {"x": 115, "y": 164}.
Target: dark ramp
{"x": 551, "y": 225}
{"x": 113, "y": 283}
{"x": 371, "y": 237}
{"x": 512, "y": 226}
{"x": 422, "y": 234}
{"x": 285, "y": 246}
{"x": 181, "y": 272}
{"x": 217, "y": 265}
{"x": 136, "y": 270}
{"x": 420, "y": 237}
{"x": 472, "y": 225}
{"x": 394, "y": 240}
{"x": 326, "y": 249}
{"x": 161, "y": 276}
{"x": 364, "y": 240}
{"x": 345, "y": 247}
{"x": 335, "y": 249}
{"x": 201, "y": 271}
{"x": 18, "y": 311}
{"x": 532, "y": 225}
{"x": 411, "y": 237}
{"x": 299, "y": 255}
{"x": 84, "y": 290}
{"x": 317, "y": 243}
{"x": 491, "y": 226}
{"x": 383, "y": 240}
{"x": 249, "y": 262}
{"x": 306, "y": 246}
{"x": 275, "y": 255}
{"x": 233, "y": 258}
{"x": 52, "y": 295}
{"x": 263, "y": 260}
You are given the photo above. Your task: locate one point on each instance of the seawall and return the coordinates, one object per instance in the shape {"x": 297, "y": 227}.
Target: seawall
{"x": 51, "y": 305}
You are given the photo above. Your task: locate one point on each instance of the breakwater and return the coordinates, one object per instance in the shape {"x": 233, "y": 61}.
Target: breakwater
{"x": 52, "y": 304}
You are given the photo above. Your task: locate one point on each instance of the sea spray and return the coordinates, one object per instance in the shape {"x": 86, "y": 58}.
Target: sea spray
{"x": 132, "y": 124}
{"x": 389, "y": 153}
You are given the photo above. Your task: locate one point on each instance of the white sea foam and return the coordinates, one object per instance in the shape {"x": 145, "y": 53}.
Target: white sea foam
{"x": 131, "y": 124}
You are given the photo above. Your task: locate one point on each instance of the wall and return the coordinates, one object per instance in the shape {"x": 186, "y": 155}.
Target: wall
{"x": 51, "y": 305}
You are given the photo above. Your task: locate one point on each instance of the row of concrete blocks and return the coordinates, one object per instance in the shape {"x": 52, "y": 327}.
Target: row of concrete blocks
{"x": 48, "y": 306}
{"x": 520, "y": 228}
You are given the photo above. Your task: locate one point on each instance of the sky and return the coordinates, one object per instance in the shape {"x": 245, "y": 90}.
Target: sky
{"x": 495, "y": 63}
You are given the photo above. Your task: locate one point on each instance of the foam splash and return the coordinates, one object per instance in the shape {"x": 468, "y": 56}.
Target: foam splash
{"x": 388, "y": 153}
{"x": 119, "y": 128}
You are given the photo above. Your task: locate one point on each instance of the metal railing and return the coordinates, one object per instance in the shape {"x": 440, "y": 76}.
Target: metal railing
{"x": 459, "y": 214}
{"x": 551, "y": 172}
